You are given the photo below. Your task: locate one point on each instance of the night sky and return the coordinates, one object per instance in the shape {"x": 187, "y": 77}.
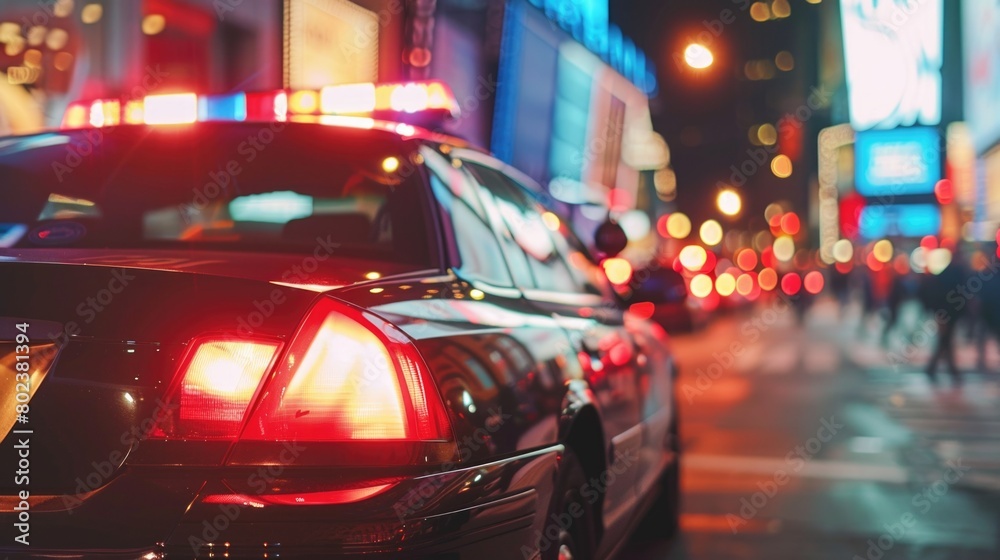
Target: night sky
{"x": 705, "y": 115}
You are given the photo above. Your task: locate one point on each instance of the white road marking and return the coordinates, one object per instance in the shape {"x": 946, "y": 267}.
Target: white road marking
{"x": 814, "y": 468}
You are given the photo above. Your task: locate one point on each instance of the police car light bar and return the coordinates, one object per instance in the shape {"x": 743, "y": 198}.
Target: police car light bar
{"x": 176, "y": 108}
{"x": 419, "y": 102}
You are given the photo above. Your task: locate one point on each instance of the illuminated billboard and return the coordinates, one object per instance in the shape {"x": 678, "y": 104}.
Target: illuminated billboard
{"x": 329, "y": 42}
{"x": 905, "y": 220}
{"x": 981, "y": 46}
{"x": 893, "y": 54}
{"x": 904, "y": 161}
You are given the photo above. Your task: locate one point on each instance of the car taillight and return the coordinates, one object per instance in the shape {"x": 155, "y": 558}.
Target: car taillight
{"x": 216, "y": 385}
{"x": 349, "y": 376}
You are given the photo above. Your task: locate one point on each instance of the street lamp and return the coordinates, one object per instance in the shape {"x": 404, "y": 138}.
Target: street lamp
{"x": 698, "y": 56}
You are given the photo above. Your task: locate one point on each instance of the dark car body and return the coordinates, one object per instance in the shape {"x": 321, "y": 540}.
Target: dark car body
{"x": 530, "y": 354}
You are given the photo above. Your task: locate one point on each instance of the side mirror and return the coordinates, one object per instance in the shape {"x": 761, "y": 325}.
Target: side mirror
{"x": 610, "y": 238}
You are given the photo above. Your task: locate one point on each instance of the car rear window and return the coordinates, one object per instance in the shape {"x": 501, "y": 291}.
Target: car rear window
{"x": 217, "y": 188}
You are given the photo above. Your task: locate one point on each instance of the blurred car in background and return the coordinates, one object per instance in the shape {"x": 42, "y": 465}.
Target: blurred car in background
{"x": 661, "y": 294}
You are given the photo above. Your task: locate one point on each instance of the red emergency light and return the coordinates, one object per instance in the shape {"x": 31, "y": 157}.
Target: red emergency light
{"x": 423, "y": 102}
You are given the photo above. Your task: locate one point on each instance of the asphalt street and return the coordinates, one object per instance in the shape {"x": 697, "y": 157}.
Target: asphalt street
{"x": 815, "y": 441}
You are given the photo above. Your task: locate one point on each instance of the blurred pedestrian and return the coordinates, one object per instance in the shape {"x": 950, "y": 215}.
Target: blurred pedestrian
{"x": 939, "y": 295}
{"x": 840, "y": 286}
{"x": 899, "y": 292}
{"x": 989, "y": 299}
{"x": 876, "y": 282}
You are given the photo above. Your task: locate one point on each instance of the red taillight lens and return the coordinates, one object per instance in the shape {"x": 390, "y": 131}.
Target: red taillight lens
{"x": 218, "y": 381}
{"x": 349, "y": 376}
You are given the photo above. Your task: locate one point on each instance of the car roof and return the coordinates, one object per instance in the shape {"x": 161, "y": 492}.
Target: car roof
{"x": 390, "y": 131}
{"x": 49, "y": 158}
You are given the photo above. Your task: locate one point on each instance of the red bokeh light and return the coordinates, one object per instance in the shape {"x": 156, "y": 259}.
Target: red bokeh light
{"x": 944, "y": 191}
{"x": 790, "y": 223}
{"x": 642, "y": 309}
{"x": 661, "y": 226}
{"x": 746, "y": 259}
{"x": 767, "y": 257}
{"x": 814, "y": 282}
{"x": 775, "y": 223}
{"x": 791, "y": 283}
{"x": 873, "y": 263}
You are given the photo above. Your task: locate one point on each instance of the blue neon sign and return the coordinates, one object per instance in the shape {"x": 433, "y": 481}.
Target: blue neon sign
{"x": 587, "y": 22}
{"x": 897, "y": 162}
{"x": 907, "y": 220}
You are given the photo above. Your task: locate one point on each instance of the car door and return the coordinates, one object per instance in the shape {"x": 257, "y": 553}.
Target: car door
{"x": 561, "y": 281}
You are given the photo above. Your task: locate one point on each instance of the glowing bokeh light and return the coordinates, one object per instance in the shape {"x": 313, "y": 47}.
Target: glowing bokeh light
{"x": 790, "y": 223}
{"x": 760, "y": 11}
{"x": 678, "y": 225}
{"x": 698, "y": 56}
{"x": 918, "y": 260}
{"x": 744, "y": 284}
{"x": 618, "y": 270}
{"x": 729, "y": 202}
{"x": 701, "y": 286}
{"x": 784, "y": 248}
{"x": 711, "y": 233}
{"x": 746, "y": 259}
{"x": 874, "y": 264}
{"x": 813, "y": 282}
{"x": 772, "y": 210}
{"x": 938, "y": 260}
{"x": 791, "y": 283}
{"x": 883, "y": 251}
{"x": 693, "y": 257}
{"x": 767, "y": 279}
{"x": 725, "y": 284}
{"x": 781, "y": 166}
{"x": 843, "y": 251}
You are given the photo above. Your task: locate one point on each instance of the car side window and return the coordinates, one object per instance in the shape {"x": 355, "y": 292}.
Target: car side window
{"x": 477, "y": 246}
{"x": 551, "y": 262}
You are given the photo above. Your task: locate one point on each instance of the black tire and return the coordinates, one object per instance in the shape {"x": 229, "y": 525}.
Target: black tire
{"x": 575, "y": 540}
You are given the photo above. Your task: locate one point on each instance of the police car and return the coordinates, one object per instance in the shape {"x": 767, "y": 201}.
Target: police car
{"x": 302, "y": 324}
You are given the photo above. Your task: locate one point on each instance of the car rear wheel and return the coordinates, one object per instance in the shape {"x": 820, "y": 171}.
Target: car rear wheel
{"x": 572, "y": 513}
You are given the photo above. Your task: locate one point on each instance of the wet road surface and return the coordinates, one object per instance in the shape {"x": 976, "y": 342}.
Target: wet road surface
{"x": 814, "y": 441}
